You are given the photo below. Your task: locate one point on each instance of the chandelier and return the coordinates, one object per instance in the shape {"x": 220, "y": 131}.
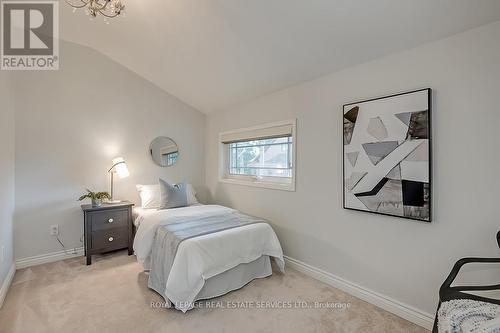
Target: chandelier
{"x": 107, "y": 8}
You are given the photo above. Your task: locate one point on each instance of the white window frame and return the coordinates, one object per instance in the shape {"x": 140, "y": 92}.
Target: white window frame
{"x": 275, "y": 183}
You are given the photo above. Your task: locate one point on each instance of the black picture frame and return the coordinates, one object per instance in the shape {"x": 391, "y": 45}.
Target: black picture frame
{"x": 430, "y": 157}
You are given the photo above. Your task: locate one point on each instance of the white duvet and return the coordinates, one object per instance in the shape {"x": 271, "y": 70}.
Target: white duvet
{"x": 203, "y": 257}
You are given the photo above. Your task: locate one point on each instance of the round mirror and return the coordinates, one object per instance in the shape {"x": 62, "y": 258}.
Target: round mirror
{"x": 164, "y": 151}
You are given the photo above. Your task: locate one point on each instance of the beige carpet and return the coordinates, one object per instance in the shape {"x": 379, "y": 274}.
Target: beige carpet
{"x": 112, "y": 296}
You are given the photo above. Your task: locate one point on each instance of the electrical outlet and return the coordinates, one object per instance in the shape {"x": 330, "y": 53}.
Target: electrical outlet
{"x": 54, "y": 230}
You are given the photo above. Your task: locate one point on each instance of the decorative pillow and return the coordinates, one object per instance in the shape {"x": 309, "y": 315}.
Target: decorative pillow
{"x": 150, "y": 196}
{"x": 191, "y": 194}
{"x": 173, "y": 196}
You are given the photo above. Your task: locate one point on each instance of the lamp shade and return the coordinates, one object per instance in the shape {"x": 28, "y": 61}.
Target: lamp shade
{"x": 120, "y": 167}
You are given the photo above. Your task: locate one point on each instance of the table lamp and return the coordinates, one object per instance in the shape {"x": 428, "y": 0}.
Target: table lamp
{"x": 120, "y": 168}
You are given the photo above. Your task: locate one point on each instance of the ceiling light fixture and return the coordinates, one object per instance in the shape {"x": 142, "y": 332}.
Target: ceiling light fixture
{"x": 106, "y": 8}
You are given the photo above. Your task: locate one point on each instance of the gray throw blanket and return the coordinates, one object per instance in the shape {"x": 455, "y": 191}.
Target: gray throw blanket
{"x": 168, "y": 238}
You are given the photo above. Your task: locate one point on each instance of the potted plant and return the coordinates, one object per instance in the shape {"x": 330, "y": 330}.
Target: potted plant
{"x": 96, "y": 197}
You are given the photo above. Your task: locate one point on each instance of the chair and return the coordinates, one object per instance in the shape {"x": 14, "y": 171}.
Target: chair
{"x": 448, "y": 293}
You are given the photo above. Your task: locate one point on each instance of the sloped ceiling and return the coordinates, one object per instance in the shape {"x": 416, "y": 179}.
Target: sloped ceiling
{"x": 216, "y": 53}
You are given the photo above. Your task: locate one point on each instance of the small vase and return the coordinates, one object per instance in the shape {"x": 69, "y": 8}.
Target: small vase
{"x": 96, "y": 202}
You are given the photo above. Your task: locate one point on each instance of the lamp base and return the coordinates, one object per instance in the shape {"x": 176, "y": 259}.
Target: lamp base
{"x": 114, "y": 201}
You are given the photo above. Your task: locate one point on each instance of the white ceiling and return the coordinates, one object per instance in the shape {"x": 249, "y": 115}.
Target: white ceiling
{"x": 216, "y": 53}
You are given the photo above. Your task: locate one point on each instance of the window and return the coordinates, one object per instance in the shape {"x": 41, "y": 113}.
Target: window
{"x": 260, "y": 156}
{"x": 169, "y": 158}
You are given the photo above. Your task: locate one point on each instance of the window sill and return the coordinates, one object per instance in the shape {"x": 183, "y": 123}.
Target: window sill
{"x": 268, "y": 185}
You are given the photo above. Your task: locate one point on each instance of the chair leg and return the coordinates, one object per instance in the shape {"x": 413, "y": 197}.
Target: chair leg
{"x": 435, "y": 326}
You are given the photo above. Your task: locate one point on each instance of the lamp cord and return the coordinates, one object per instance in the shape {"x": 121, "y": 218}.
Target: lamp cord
{"x": 64, "y": 247}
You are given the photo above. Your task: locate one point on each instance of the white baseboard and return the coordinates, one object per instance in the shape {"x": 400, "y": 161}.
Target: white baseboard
{"x": 6, "y": 284}
{"x": 421, "y": 318}
{"x": 48, "y": 257}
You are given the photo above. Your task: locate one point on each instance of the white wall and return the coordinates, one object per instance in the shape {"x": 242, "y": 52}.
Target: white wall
{"x": 6, "y": 173}
{"x": 398, "y": 258}
{"x": 71, "y": 123}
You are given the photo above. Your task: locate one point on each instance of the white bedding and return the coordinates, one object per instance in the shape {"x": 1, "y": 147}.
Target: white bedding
{"x": 203, "y": 257}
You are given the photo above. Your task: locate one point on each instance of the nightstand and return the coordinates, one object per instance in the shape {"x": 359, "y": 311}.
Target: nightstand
{"x": 108, "y": 228}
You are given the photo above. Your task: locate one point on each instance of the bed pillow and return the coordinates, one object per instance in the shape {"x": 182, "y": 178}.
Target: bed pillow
{"x": 191, "y": 195}
{"x": 150, "y": 196}
{"x": 173, "y": 196}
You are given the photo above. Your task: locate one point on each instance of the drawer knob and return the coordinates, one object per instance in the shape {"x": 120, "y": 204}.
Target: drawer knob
{"x": 111, "y": 220}
{"x": 110, "y": 239}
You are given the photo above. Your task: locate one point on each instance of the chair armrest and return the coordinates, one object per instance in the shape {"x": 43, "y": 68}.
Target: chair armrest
{"x": 456, "y": 269}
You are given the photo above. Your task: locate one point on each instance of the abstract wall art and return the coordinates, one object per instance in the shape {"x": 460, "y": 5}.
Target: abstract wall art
{"x": 387, "y": 155}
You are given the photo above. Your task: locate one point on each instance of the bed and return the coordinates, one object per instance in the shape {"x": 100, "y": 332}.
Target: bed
{"x": 208, "y": 264}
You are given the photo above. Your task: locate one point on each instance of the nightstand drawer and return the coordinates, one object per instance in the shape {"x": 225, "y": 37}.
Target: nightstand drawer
{"x": 105, "y": 220}
{"x": 111, "y": 239}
